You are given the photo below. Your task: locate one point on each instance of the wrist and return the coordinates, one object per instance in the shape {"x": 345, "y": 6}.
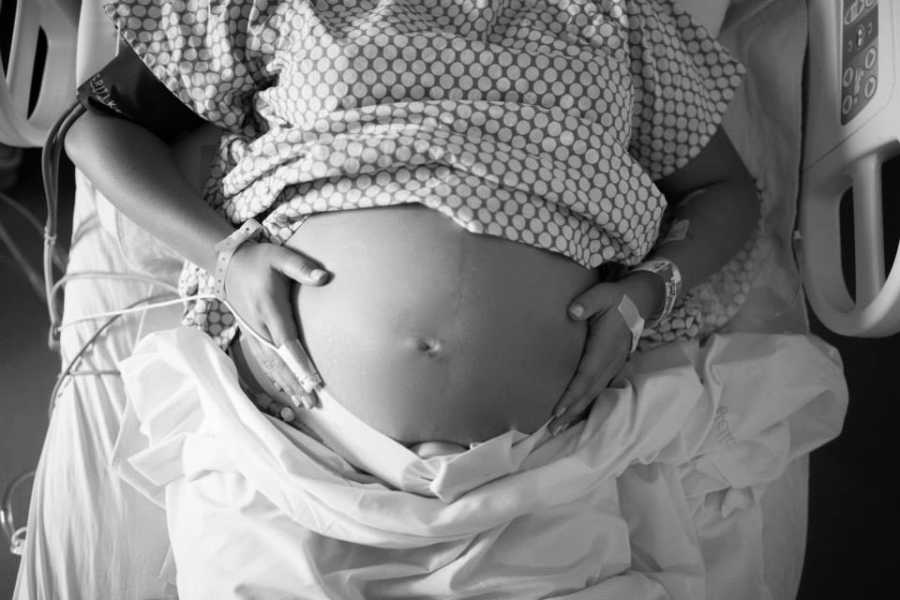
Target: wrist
{"x": 667, "y": 271}
{"x": 206, "y": 241}
{"x": 226, "y": 249}
{"x": 648, "y": 292}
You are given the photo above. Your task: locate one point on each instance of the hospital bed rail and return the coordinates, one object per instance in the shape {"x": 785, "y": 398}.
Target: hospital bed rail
{"x": 32, "y": 88}
{"x": 852, "y": 129}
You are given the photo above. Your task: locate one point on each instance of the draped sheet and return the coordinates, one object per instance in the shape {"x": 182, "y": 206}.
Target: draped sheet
{"x": 655, "y": 495}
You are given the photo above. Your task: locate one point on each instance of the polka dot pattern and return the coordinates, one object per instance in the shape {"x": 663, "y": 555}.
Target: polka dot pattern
{"x": 541, "y": 122}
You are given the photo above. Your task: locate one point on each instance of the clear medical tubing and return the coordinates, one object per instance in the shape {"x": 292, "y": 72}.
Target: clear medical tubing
{"x": 15, "y": 534}
{"x": 50, "y": 172}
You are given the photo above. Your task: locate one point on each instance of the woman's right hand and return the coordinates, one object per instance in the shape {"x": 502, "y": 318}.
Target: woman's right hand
{"x": 258, "y": 286}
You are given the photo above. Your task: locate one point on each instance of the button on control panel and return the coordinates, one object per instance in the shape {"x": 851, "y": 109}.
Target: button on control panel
{"x": 859, "y": 56}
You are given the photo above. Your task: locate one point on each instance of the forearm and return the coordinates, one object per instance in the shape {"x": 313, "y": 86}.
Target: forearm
{"x": 137, "y": 172}
{"x": 719, "y": 219}
{"x": 716, "y": 221}
{"x": 715, "y": 208}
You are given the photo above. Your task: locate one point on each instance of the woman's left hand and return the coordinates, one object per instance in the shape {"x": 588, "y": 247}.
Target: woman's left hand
{"x": 609, "y": 339}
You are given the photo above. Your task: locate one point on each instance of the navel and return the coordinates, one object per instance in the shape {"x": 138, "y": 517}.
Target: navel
{"x": 429, "y": 346}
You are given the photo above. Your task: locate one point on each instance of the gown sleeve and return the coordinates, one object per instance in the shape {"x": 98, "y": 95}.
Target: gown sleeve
{"x": 212, "y": 55}
{"x": 683, "y": 81}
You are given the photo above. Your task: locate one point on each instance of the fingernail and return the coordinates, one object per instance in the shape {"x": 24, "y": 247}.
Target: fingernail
{"x": 308, "y": 403}
{"x": 576, "y": 310}
{"x": 287, "y": 414}
{"x": 297, "y": 401}
{"x": 560, "y": 411}
{"x": 318, "y": 275}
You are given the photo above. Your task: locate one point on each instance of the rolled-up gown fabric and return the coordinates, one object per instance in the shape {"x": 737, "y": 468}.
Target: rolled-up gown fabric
{"x": 544, "y": 123}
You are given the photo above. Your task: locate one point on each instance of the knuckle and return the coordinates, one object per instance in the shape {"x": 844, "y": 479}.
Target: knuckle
{"x": 595, "y": 293}
{"x": 598, "y": 293}
{"x": 301, "y": 260}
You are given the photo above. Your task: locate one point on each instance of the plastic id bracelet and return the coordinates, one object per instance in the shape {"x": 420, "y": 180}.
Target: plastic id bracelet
{"x": 226, "y": 248}
{"x": 632, "y": 318}
{"x": 671, "y": 277}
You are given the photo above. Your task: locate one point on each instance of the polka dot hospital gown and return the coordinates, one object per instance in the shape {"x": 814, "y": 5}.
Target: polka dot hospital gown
{"x": 544, "y": 122}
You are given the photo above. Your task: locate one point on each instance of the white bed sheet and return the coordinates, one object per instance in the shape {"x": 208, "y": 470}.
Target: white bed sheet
{"x": 654, "y": 496}
{"x": 90, "y": 536}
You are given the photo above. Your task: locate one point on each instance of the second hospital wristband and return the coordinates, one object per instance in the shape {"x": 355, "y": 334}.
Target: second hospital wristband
{"x": 225, "y": 251}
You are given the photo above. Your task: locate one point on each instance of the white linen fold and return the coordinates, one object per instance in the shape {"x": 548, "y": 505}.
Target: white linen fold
{"x": 657, "y": 487}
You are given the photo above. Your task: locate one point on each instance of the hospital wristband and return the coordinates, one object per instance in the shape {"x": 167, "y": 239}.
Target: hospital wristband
{"x": 671, "y": 277}
{"x": 633, "y": 319}
{"x": 225, "y": 251}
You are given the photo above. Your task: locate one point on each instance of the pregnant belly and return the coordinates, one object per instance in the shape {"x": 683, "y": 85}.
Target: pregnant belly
{"x": 428, "y": 332}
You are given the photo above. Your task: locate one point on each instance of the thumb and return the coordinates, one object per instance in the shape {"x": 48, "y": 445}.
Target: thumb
{"x": 596, "y": 300}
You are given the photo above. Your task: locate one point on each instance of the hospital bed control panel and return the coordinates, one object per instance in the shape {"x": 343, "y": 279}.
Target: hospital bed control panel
{"x": 852, "y": 129}
{"x": 859, "y": 60}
